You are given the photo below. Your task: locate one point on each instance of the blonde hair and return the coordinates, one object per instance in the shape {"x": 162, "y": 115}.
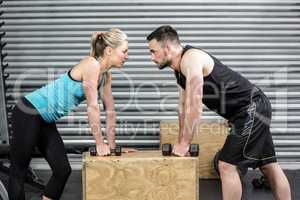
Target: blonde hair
{"x": 113, "y": 38}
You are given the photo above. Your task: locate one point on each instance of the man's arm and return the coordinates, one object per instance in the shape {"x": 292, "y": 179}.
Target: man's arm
{"x": 108, "y": 101}
{"x": 181, "y": 112}
{"x": 192, "y": 68}
{"x": 193, "y": 103}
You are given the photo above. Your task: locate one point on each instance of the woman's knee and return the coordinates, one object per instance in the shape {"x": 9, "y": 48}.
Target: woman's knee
{"x": 68, "y": 170}
{"x": 63, "y": 171}
{"x": 18, "y": 171}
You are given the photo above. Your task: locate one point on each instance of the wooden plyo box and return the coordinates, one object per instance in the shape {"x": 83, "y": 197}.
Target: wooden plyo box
{"x": 140, "y": 175}
{"x": 210, "y": 136}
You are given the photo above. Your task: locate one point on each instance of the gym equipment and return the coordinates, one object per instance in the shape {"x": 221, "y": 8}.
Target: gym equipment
{"x": 166, "y": 149}
{"x": 3, "y": 192}
{"x": 261, "y": 183}
{"x": 193, "y": 150}
{"x": 139, "y": 175}
{"x": 210, "y": 135}
{"x": 31, "y": 178}
{"x": 4, "y": 130}
{"x": 117, "y": 151}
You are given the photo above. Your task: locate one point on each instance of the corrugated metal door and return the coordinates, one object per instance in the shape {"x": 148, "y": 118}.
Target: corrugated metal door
{"x": 258, "y": 38}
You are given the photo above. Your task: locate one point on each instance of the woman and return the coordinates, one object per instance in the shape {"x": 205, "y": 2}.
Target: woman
{"x": 34, "y": 116}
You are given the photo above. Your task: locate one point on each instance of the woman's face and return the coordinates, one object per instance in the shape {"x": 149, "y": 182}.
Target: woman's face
{"x": 119, "y": 55}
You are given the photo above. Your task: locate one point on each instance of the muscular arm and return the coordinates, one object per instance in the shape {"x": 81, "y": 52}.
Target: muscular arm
{"x": 109, "y": 104}
{"x": 181, "y": 112}
{"x": 90, "y": 78}
{"x": 192, "y": 68}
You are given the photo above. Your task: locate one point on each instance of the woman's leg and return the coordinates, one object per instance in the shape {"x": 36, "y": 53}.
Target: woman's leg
{"x": 52, "y": 147}
{"x": 25, "y": 127}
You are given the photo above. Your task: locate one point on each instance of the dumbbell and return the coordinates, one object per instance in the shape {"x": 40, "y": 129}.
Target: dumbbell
{"x": 117, "y": 151}
{"x": 262, "y": 182}
{"x": 193, "y": 150}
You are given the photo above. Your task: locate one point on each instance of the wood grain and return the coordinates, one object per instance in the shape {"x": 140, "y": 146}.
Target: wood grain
{"x": 140, "y": 176}
{"x": 210, "y": 135}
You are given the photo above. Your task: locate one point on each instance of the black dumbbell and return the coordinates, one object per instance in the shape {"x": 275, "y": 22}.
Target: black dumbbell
{"x": 117, "y": 151}
{"x": 93, "y": 151}
{"x": 262, "y": 182}
{"x": 166, "y": 149}
{"x": 193, "y": 150}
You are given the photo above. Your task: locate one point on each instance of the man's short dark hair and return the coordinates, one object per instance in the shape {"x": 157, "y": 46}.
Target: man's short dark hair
{"x": 164, "y": 33}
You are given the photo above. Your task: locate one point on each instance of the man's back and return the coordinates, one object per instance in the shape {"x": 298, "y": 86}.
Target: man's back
{"x": 224, "y": 91}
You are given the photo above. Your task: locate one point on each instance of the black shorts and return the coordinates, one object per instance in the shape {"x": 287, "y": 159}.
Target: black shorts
{"x": 250, "y": 143}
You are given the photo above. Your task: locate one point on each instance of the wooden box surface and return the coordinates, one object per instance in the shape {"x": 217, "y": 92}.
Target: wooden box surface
{"x": 210, "y": 136}
{"x": 143, "y": 175}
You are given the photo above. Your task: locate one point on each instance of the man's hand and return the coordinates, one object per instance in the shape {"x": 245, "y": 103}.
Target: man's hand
{"x": 103, "y": 149}
{"x": 181, "y": 149}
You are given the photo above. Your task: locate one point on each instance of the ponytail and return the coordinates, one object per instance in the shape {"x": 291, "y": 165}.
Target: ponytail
{"x": 100, "y": 40}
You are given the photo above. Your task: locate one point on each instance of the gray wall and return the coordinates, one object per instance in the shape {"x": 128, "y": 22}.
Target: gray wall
{"x": 258, "y": 38}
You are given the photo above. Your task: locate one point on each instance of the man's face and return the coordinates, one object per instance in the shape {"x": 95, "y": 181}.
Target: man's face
{"x": 159, "y": 54}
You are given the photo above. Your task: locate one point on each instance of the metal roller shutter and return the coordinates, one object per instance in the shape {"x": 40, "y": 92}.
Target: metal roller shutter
{"x": 258, "y": 38}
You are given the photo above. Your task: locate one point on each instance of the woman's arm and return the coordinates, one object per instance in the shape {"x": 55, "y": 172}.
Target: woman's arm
{"x": 90, "y": 76}
{"x": 108, "y": 101}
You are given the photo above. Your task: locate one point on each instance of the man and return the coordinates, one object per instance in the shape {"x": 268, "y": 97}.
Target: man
{"x": 203, "y": 78}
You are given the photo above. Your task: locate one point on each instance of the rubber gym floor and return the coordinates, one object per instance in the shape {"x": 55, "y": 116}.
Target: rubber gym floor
{"x": 208, "y": 189}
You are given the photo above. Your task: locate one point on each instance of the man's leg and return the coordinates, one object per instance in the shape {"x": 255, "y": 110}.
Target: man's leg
{"x": 278, "y": 181}
{"x": 231, "y": 182}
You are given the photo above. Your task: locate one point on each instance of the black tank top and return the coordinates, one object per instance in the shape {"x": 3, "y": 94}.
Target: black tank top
{"x": 224, "y": 91}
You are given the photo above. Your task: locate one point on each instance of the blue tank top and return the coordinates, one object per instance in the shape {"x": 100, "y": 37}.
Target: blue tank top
{"x": 58, "y": 98}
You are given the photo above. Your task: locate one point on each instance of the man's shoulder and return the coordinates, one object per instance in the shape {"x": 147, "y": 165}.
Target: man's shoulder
{"x": 195, "y": 58}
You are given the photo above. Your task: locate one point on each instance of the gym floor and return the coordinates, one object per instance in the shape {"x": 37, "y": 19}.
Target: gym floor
{"x": 209, "y": 189}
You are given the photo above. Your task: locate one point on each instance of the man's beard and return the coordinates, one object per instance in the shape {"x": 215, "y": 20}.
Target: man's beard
{"x": 164, "y": 65}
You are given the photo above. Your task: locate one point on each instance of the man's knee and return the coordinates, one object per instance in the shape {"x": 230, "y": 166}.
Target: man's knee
{"x": 226, "y": 169}
{"x": 275, "y": 175}
{"x": 270, "y": 170}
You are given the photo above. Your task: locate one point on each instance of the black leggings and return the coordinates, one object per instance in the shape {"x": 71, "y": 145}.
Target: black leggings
{"x": 30, "y": 131}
